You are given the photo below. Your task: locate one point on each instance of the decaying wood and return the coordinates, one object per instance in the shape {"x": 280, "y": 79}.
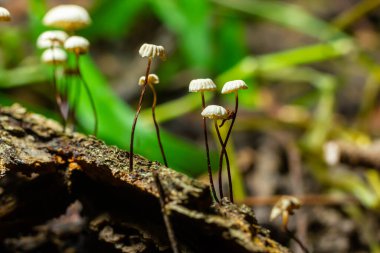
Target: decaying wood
{"x": 43, "y": 170}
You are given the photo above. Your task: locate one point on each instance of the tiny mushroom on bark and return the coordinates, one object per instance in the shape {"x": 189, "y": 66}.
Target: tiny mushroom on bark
{"x": 216, "y": 113}
{"x": 285, "y": 207}
{"x": 230, "y": 87}
{"x": 152, "y": 80}
{"x": 52, "y": 40}
{"x": 149, "y": 51}
{"x": 79, "y": 46}
{"x": 202, "y": 85}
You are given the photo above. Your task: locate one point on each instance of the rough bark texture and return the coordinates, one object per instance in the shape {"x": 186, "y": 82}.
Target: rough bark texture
{"x": 73, "y": 193}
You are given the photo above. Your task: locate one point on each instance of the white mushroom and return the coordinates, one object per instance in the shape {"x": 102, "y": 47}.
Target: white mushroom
{"x": 233, "y": 86}
{"x": 152, "y": 79}
{"x": 199, "y": 85}
{"x": 68, "y": 17}
{"x": 51, "y": 39}
{"x": 151, "y": 51}
{"x": 4, "y": 14}
{"x": 54, "y": 56}
{"x": 77, "y": 45}
{"x": 285, "y": 206}
{"x": 215, "y": 112}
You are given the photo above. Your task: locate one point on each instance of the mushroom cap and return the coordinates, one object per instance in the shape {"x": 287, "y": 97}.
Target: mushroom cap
{"x": 51, "y": 39}
{"x": 54, "y": 56}
{"x": 5, "y": 15}
{"x": 43, "y": 44}
{"x": 69, "y": 17}
{"x": 152, "y": 79}
{"x": 285, "y": 204}
{"x": 197, "y": 85}
{"x": 77, "y": 44}
{"x": 233, "y": 86}
{"x": 151, "y": 51}
{"x": 215, "y": 112}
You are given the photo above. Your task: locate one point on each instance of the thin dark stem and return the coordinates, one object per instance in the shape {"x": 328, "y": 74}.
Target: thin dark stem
{"x": 168, "y": 224}
{"x": 89, "y": 95}
{"x": 298, "y": 241}
{"x": 209, "y": 170}
{"x": 156, "y": 124}
{"x": 220, "y": 167}
{"x": 137, "y": 115}
{"x": 223, "y": 151}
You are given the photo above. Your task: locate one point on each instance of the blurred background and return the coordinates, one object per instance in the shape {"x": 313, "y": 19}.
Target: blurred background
{"x": 313, "y": 71}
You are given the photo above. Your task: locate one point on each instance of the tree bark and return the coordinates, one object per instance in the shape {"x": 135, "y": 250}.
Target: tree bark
{"x": 100, "y": 205}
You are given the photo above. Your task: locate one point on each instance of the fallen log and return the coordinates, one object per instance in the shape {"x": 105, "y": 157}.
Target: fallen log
{"x": 43, "y": 171}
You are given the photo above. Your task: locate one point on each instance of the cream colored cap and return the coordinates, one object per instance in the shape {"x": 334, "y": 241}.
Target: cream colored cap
{"x": 69, "y": 17}
{"x": 54, "y": 56}
{"x": 51, "y": 39}
{"x": 152, "y": 79}
{"x": 285, "y": 204}
{"x": 197, "y": 85}
{"x": 215, "y": 112}
{"x": 77, "y": 44}
{"x": 150, "y": 50}
{"x": 233, "y": 86}
{"x": 4, "y": 14}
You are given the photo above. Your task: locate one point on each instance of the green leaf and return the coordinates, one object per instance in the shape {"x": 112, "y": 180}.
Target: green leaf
{"x": 275, "y": 61}
{"x": 252, "y": 66}
{"x": 287, "y": 15}
{"x": 189, "y": 20}
{"x": 37, "y": 9}
{"x": 112, "y": 20}
{"x": 24, "y": 75}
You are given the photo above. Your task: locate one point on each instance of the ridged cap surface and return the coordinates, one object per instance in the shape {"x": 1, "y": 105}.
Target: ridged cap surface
{"x": 206, "y": 84}
{"x": 233, "y": 86}
{"x": 215, "y": 112}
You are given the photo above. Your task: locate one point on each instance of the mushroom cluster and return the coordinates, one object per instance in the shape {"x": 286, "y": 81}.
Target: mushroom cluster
{"x": 59, "y": 44}
{"x": 149, "y": 51}
{"x": 56, "y": 45}
{"x": 216, "y": 112}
